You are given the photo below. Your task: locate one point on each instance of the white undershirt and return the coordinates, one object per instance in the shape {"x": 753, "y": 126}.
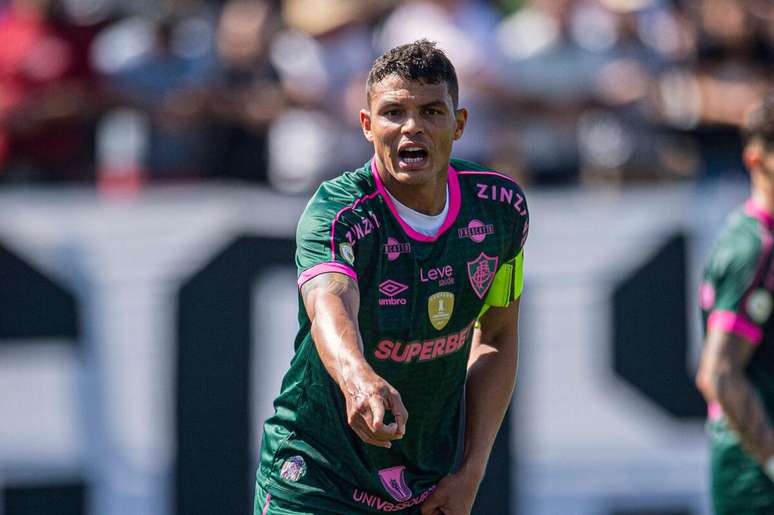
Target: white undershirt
{"x": 420, "y": 222}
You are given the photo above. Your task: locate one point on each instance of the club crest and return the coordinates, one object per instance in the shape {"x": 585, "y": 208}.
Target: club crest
{"x": 293, "y": 469}
{"x": 394, "y": 482}
{"x": 440, "y": 307}
{"x": 481, "y": 272}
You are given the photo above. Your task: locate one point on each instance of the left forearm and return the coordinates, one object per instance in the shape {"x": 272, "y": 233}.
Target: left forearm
{"x": 490, "y": 383}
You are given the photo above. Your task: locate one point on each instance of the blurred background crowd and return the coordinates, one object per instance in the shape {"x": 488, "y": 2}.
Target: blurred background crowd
{"x": 120, "y": 93}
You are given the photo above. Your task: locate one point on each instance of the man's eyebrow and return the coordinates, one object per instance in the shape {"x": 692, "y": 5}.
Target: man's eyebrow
{"x": 435, "y": 103}
{"x": 390, "y": 104}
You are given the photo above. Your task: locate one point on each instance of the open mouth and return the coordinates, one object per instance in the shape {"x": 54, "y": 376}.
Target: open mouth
{"x": 412, "y": 157}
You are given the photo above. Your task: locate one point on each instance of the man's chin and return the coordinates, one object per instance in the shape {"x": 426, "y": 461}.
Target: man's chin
{"x": 412, "y": 174}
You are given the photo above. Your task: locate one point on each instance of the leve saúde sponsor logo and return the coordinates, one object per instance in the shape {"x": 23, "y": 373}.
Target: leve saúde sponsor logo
{"x": 391, "y": 289}
{"x": 444, "y": 274}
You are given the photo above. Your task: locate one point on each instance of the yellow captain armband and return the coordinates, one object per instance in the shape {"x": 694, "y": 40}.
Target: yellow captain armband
{"x": 506, "y": 286}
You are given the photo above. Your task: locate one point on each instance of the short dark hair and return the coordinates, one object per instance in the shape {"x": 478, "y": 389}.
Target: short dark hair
{"x": 760, "y": 122}
{"x": 418, "y": 61}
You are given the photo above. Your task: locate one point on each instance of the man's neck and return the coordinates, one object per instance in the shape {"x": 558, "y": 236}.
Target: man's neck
{"x": 428, "y": 198}
{"x": 764, "y": 199}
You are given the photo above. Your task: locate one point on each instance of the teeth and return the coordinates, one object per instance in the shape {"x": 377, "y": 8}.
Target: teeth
{"x": 412, "y": 160}
{"x": 412, "y": 149}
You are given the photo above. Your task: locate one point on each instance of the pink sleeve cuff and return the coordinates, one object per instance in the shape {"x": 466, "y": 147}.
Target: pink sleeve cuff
{"x": 734, "y": 323}
{"x": 714, "y": 410}
{"x": 322, "y": 268}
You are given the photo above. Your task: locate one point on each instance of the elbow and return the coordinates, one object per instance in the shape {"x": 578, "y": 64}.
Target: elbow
{"x": 702, "y": 381}
{"x": 715, "y": 385}
{"x": 708, "y": 381}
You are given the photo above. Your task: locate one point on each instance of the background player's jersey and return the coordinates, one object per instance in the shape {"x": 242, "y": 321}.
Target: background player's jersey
{"x": 419, "y": 298}
{"x": 736, "y": 296}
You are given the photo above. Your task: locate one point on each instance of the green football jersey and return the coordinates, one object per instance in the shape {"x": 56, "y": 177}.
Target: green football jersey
{"x": 736, "y": 296}
{"x": 419, "y": 299}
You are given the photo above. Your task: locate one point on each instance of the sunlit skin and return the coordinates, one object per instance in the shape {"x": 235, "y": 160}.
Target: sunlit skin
{"x": 759, "y": 160}
{"x": 412, "y": 113}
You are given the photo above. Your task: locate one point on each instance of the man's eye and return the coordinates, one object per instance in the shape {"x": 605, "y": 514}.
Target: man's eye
{"x": 392, "y": 112}
{"x": 432, "y": 111}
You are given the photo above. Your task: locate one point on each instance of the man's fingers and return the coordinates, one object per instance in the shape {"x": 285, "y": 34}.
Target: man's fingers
{"x": 363, "y": 435}
{"x": 399, "y": 412}
{"x": 377, "y": 413}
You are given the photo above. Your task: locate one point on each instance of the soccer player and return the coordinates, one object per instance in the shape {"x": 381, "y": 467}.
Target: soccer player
{"x": 736, "y": 373}
{"x": 410, "y": 274}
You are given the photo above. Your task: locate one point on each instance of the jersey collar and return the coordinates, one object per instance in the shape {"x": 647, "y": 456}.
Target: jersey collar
{"x": 451, "y": 215}
{"x": 754, "y": 210}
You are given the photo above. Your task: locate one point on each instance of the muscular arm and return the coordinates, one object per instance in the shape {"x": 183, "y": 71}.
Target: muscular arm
{"x": 721, "y": 379}
{"x": 490, "y": 383}
{"x": 332, "y": 301}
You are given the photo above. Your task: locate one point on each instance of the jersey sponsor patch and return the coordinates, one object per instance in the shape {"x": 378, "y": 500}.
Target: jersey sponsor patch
{"x": 759, "y": 305}
{"x": 476, "y": 230}
{"x": 481, "y": 272}
{"x": 394, "y": 481}
{"x": 418, "y": 350}
{"x": 502, "y": 194}
{"x": 345, "y": 249}
{"x": 394, "y": 248}
{"x": 293, "y": 469}
{"x": 440, "y": 307}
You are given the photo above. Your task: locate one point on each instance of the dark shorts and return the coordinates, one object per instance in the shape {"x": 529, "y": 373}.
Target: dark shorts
{"x": 266, "y": 504}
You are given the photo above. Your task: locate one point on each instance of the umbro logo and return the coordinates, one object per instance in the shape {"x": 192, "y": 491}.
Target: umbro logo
{"x": 391, "y": 289}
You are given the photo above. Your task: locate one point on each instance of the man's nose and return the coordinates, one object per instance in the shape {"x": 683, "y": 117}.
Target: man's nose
{"x": 412, "y": 124}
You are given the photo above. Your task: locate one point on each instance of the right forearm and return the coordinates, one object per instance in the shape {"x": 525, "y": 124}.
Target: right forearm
{"x": 332, "y": 302}
{"x": 339, "y": 346}
{"x": 746, "y": 414}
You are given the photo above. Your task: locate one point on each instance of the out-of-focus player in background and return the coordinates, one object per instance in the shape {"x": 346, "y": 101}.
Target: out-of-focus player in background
{"x": 736, "y": 374}
{"x": 410, "y": 274}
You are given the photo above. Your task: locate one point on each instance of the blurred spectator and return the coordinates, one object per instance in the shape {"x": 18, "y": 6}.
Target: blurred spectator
{"x": 245, "y": 94}
{"x": 168, "y": 82}
{"x": 733, "y": 64}
{"x": 48, "y": 92}
{"x": 268, "y": 91}
{"x": 322, "y": 60}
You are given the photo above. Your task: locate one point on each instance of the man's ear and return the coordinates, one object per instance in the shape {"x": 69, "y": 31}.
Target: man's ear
{"x": 365, "y": 124}
{"x": 752, "y": 155}
{"x": 461, "y": 119}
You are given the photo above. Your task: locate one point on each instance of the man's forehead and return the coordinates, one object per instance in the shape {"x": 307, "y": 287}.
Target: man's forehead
{"x": 394, "y": 88}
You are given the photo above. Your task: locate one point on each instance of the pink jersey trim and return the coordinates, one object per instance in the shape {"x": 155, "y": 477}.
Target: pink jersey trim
{"x": 323, "y": 268}
{"x": 714, "y": 410}
{"x": 734, "y": 323}
{"x": 488, "y": 172}
{"x": 266, "y": 505}
{"x": 759, "y": 213}
{"x": 451, "y": 215}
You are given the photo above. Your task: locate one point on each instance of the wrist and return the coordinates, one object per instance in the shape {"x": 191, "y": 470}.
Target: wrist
{"x": 768, "y": 467}
{"x": 472, "y": 474}
{"x": 354, "y": 373}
